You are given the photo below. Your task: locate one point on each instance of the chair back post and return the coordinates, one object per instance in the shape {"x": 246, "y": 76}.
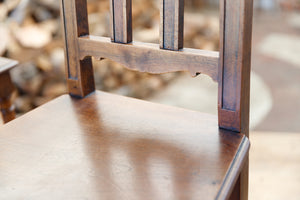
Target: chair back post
{"x": 234, "y": 64}
{"x": 79, "y": 73}
{"x": 234, "y": 76}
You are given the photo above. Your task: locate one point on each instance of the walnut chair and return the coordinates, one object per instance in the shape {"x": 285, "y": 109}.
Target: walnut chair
{"x": 94, "y": 145}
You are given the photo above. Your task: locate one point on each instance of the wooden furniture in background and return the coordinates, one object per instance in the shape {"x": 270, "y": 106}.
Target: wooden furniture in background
{"x": 6, "y": 89}
{"x": 95, "y": 145}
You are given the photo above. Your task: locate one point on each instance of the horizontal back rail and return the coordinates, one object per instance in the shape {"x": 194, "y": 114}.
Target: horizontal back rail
{"x": 147, "y": 57}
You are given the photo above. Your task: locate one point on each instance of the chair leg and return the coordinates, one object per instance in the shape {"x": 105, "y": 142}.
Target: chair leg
{"x": 7, "y": 110}
{"x": 240, "y": 191}
{"x": 7, "y": 88}
{"x": 236, "y": 193}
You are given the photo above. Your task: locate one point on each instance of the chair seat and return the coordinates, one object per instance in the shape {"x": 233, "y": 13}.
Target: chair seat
{"x": 110, "y": 147}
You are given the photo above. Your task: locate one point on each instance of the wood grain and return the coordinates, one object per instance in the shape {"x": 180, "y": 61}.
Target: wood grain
{"x": 121, "y": 21}
{"x": 106, "y": 146}
{"x": 79, "y": 74}
{"x": 150, "y": 58}
{"x": 234, "y": 75}
{"x": 103, "y": 146}
{"x": 234, "y": 64}
{"x": 171, "y": 24}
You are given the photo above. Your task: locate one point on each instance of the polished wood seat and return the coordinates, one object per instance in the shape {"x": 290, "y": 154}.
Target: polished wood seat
{"x": 94, "y": 145}
{"x": 112, "y": 147}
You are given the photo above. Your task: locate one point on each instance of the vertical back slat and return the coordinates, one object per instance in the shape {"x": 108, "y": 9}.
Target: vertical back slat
{"x": 79, "y": 73}
{"x": 171, "y": 24}
{"x": 121, "y": 21}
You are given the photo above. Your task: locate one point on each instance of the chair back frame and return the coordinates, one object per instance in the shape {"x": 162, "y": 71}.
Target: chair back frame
{"x": 230, "y": 67}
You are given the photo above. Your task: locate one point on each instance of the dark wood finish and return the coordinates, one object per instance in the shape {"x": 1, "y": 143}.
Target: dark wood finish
{"x": 236, "y": 193}
{"x": 150, "y": 58}
{"x": 103, "y": 146}
{"x": 121, "y": 21}
{"x": 7, "y": 89}
{"x": 171, "y": 22}
{"x": 112, "y": 147}
{"x": 79, "y": 74}
{"x": 6, "y": 103}
{"x": 234, "y": 74}
{"x": 234, "y": 67}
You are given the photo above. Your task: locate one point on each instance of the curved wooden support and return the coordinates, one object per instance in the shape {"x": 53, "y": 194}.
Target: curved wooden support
{"x": 146, "y": 57}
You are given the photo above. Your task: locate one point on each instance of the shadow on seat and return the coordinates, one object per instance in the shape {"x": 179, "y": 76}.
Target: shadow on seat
{"x": 94, "y": 145}
{"x": 106, "y": 147}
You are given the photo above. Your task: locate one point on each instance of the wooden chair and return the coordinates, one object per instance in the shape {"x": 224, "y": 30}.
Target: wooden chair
{"x": 6, "y": 89}
{"x": 95, "y": 145}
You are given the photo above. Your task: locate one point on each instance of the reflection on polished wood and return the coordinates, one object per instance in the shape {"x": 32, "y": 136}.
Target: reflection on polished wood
{"x": 111, "y": 147}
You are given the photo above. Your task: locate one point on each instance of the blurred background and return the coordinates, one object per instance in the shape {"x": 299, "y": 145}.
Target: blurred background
{"x": 31, "y": 33}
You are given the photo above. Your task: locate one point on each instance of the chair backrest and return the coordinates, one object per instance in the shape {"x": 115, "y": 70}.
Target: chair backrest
{"x": 230, "y": 67}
